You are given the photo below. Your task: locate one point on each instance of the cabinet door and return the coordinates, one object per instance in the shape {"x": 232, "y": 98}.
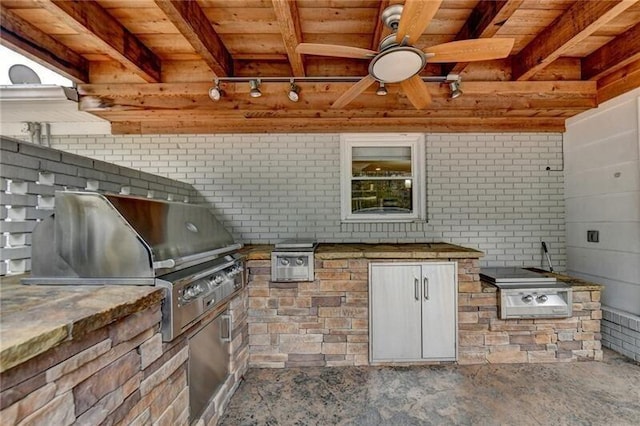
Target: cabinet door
{"x": 439, "y": 292}
{"x": 395, "y": 312}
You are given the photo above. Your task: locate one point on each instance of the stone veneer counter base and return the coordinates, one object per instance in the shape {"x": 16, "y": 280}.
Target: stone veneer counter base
{"x": 325, "y": 322}
{"x": 37, "y": 318}
{"x": 95, "y": 355}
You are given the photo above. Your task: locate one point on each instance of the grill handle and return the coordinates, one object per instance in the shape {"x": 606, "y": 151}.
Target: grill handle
{"x": 226, "y": 328}
{"x": 199, "y": 258}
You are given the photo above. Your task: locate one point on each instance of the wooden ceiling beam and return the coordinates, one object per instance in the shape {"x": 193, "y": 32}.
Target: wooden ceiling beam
{"x": 619, "y": 82}
{"x": 289, "y": 22}
{"x": 614, "y": 55}
{"x": 19, "y": 35}
{"x": 194, "y": 25}
{"x": 580, "y": 21}
{"x": 320, "y": 96}
{"x": 91, "y": 20}
{"x": 543, "y": 89}
{"x": 333, "y": 125}
{"x": 484, "y": 21}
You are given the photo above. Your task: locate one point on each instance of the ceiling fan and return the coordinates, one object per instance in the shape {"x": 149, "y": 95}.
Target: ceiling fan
{"x": 397, "y": 61}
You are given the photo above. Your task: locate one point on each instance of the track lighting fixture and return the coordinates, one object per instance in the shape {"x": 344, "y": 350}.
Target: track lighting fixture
{"x": 294, "y": 92}
{"x": 454, "y": 86}
{"x": 382, "y": 91}
{"x": 255, "y": 91}
{"x": 215, "y": 93}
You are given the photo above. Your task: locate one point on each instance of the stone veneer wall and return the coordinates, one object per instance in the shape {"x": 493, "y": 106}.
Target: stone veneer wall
{"x": 119, "y": 374}
{"x": 484, "y": 338}
{"x": 325, "y": 322}
{"x": 319, "y": 323}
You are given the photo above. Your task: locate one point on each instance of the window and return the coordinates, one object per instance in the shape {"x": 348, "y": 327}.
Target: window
{"x": 382, "y": 177}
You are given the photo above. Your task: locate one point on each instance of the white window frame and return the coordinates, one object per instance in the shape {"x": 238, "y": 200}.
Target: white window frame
{"x": 418, "y": 167}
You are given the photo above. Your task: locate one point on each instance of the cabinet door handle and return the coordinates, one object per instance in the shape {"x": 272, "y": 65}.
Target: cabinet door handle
{"x": 425, "y": 282}
{"x": 416, "y": 288}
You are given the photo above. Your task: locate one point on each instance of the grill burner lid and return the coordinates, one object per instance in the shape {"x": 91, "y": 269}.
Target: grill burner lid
{"x": 515, "y": 277}
{"x": 299, "y": 245}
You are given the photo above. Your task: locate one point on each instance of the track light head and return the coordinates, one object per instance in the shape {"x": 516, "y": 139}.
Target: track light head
{"x": 294, "y": 92}
{"x": 454, "y": 86}
{"x": 255, "y": 91}
{"x": 215, "y": 93}
{"x": 382, "y": 91}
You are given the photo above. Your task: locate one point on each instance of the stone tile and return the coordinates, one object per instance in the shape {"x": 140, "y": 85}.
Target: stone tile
{"x": 78, "y": 360}
{"x": 27, "y": 405}
{"x": 21, "y": 390}
{"x": 150, "y": 350}
{"x": 134, "y": 324}
{"x": 59, "y": 412}
{"x": 164, "y": 371}
{"x": 104, "y": 381}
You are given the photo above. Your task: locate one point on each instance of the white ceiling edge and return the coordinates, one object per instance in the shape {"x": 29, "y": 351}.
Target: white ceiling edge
{"x": 71, "y": 128}
{"x": 42, "y": 103}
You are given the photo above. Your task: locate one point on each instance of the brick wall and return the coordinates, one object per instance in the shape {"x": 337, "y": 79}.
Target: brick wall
{"x": 488, "y": 191}
{"x": 621, "y": 332}
{"x": 30, "y": 174}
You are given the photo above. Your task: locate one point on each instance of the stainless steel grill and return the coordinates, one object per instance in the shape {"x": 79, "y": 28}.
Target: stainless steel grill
{"x": 527, "y": 294}
{"x": 114, "y": 239}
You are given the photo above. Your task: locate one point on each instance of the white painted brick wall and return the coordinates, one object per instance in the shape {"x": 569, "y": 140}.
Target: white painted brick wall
{"x": 621, "y": 332}
{"x": 488, "y": 191}
{"x": 32, "y": 173}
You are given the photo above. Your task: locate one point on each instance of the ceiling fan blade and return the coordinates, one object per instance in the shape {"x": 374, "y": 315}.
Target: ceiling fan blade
{"x": 416, "y": 16}
{"x": 353, "y": 92}
{"x": 416, "y": 91}
{"x": 479, "y": 49}
{"x": 335, "y": 50}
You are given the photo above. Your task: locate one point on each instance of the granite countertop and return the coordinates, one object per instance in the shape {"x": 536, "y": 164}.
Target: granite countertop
{"x": 376, "y": 251}
{"x": 34, "y": 319}
{"x": 577, "y": 284}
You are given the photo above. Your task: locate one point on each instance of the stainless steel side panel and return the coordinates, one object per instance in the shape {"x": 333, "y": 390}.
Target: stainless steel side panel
{"x": 208, "y": 364}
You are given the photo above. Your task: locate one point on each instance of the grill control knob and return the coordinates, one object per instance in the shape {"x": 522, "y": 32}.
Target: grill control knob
{"x": 527, "y": 299}
{"x": 299, "y": 261}
{"x": 284, "y": 262}
{"x": 542, "y": 298}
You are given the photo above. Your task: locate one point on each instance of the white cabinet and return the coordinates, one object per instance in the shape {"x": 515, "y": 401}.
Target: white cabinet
{"x": 412, "y": 311}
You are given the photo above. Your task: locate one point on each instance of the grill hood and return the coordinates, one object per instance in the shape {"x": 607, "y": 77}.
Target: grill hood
{"x": 97, "y": 238}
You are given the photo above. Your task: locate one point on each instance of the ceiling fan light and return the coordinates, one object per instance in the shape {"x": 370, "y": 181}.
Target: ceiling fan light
{"x": 215, "y": 93}
{"x": 255, "y": 91}
{"x": 382, "y": 91}
{"x": 454, "y": 86}
{"x": 397, "y": 64}
{"x": 294, "y": 92}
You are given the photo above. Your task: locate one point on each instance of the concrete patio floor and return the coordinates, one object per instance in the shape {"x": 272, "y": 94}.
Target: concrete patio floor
{"x": 578, "y": 393}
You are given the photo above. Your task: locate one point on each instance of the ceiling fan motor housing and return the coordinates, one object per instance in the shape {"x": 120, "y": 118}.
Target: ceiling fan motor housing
{"x": 391, "y": 16}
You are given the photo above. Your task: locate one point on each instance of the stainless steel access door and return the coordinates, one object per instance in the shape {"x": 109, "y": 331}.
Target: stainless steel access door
{"x": 208, "y": 363}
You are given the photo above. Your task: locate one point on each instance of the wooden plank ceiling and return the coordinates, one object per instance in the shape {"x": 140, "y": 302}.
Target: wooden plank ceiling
{"x": 147, "y": 65}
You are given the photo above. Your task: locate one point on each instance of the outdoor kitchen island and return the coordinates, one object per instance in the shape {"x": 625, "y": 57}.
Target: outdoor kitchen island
{"x": 325, "y": 322}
